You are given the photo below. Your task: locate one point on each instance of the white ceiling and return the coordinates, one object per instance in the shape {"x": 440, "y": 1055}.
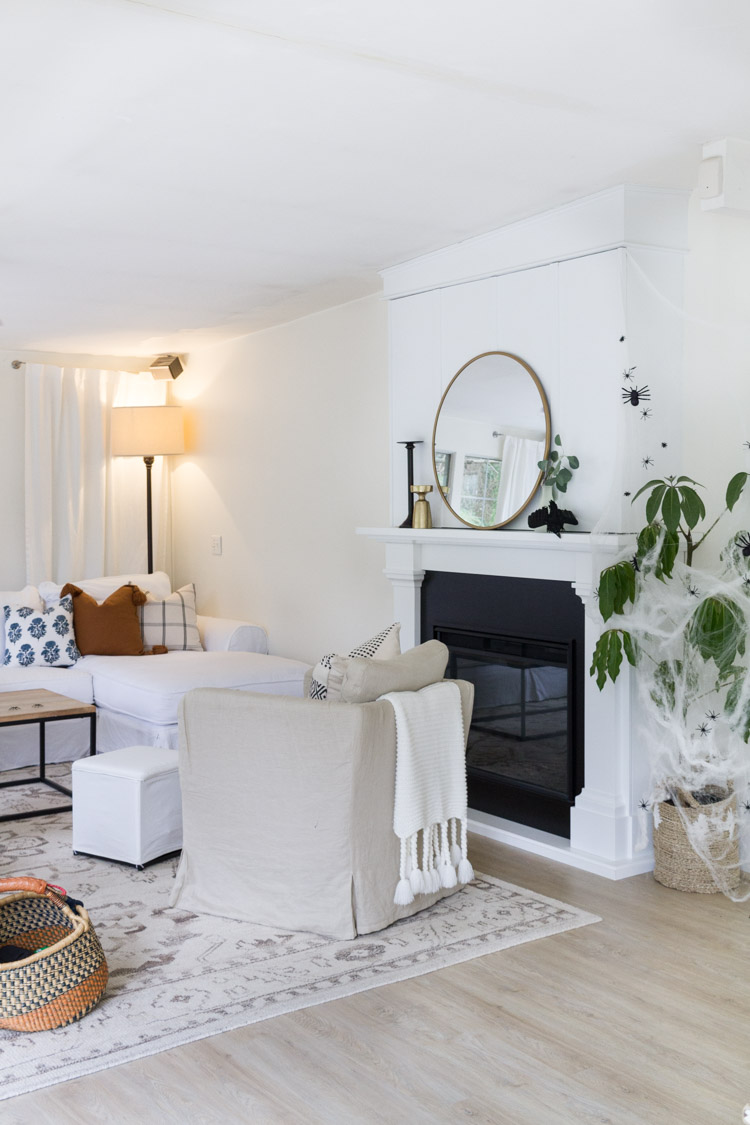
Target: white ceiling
{"x": 184, "y": 172}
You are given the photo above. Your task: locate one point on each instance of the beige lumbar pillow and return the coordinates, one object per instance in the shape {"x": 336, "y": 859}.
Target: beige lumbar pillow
{"x": 383, "y": 646}
{"x": 355, "y": 679}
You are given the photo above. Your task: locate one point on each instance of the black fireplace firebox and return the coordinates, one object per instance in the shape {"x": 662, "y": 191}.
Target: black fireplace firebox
{"x": 520, "y": 641}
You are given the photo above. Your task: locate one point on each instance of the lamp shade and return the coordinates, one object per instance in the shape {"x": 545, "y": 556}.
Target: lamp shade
{"x": 147, "y": 431}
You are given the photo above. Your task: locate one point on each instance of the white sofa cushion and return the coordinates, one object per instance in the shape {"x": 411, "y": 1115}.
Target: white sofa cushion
{"x": 151, "y": 687}
{"x": 226, "y": 635}
{"x": 171, "y": 621}
{"x": 29, "y": 596}
{"x": 159, "y": 584}
{"x": 73, "y": 682}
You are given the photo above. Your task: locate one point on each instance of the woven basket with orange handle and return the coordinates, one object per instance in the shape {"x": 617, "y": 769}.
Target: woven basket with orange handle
{"x": 65, "y": 972}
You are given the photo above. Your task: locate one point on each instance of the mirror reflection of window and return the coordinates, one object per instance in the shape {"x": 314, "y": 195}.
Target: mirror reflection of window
{"x": 479, "y": 489}
{"x": 443, "y": 465}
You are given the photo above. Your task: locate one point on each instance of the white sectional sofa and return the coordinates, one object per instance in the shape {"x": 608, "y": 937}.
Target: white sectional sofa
{"x": 137, "y": 696}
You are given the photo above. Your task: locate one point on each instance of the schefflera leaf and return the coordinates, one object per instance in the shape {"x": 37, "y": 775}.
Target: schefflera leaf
{"x": 608, "y": 654}
{"x": 735, "y": 488}
{"x": 717, "y": 630}
{"x": 616, "y": 588}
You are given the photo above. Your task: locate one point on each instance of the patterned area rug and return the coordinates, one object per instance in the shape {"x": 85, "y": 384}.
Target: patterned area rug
{"x": 176, "y": 976}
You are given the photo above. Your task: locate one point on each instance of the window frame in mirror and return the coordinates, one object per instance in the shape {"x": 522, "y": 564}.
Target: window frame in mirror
{"x": 547, "y": 442}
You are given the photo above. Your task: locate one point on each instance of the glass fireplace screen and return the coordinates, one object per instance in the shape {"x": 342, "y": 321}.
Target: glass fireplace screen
{"x": 521, "y": 722}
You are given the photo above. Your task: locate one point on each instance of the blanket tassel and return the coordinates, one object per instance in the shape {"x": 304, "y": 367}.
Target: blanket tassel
{"x": 465, "y": 870}
{"x": 447, "y": 870}
{"x": 416, "y": 878}
{"x": 404, "y": 894}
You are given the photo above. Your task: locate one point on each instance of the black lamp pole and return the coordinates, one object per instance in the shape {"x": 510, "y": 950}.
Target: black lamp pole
{"x": 148, "y": 462}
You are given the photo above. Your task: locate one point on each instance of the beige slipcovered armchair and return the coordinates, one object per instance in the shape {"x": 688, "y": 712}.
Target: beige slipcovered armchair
{"x": 288, "y": 809}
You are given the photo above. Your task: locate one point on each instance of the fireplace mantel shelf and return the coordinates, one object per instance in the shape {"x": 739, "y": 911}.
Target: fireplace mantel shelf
{"x": 576, "y": 557}
{"x": 570, "y": 541}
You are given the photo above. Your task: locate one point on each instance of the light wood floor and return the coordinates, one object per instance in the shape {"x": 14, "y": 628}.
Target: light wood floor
{"x": 642, "y": 1019}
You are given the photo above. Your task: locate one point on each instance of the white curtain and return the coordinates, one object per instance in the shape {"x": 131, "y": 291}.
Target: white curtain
{"x": 85, "y": 511}
{"x": 519, "y": 471}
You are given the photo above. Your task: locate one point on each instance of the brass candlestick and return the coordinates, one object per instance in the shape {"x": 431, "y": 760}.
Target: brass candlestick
{"x": 422, "y": 516}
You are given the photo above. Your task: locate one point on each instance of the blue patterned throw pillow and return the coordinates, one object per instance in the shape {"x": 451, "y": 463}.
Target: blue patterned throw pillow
{"x": 41, "y": 638}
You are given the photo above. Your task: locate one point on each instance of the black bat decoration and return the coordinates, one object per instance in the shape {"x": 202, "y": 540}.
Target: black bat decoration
{"x": 553, "y": 517}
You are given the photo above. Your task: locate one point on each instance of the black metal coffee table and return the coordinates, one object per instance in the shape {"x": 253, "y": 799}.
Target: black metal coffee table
{"x": 36, "y": 705}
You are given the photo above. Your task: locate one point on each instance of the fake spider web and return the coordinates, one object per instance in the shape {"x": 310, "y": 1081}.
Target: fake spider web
{"x": 690, "y": 733}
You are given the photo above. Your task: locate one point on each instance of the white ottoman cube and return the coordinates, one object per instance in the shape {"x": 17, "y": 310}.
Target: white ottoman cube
{"x": 126, "y": 804}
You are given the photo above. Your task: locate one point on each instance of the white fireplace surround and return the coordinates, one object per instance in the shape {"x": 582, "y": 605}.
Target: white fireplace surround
{"x": 564, "y": 291}
{"x": 604, "y": 821}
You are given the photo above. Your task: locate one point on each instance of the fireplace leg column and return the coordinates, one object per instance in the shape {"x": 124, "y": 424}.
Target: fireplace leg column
{"x": 407, "y": 604}
{"x": 602, "y": 822}
{"x": 404, "y": 570}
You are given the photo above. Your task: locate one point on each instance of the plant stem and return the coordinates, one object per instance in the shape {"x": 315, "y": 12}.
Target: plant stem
{"x": 705, "y": 534}
{"x": 690, "y": 547}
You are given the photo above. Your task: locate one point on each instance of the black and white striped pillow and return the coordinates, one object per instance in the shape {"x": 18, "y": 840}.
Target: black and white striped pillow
{"x": 171, "y": 621}
{"x": 383, "y": 646}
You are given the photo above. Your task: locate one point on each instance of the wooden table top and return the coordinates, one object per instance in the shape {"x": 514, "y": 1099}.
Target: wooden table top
{"x": 36, "y": 703}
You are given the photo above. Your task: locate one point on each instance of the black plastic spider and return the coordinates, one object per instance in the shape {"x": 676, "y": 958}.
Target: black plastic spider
{"x": 634, "y": 395}
{"x": 643, "y": 803}
{"x": 645, "y": 413}
{"x": 744, "y": 542}
{"x": 712, "y": 716}
{"x": 746, "y": 444}
{"x": 693, "y": 591}
{"x": 629, "y": 373}
{"x": 627, "y": 494}
{"x": 647, "y": 462}
{"x": 746, "y": 806}
{"x": 664, "y": 445}
{"x": 703, "y": 729}
{"x": 634, "y": 563}
{"x": 746, "y": 581}
{"x": 622, "y": 339}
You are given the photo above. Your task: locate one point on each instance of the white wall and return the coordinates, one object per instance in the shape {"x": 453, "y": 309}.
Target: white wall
{"x": 716, "y": 392}
{"x": 288, "y": 453}
{"x": 621, "y": 280}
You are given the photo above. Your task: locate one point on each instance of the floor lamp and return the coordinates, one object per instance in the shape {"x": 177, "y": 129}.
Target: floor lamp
{"x": 147, "y": 432}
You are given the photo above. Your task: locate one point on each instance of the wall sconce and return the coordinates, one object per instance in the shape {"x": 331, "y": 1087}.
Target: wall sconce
{"x": 147, "y": 432}
{"x": 166, "y": 367}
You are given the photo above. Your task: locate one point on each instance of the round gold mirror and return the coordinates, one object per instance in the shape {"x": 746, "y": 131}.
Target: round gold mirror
{"x": 491, "y": 430}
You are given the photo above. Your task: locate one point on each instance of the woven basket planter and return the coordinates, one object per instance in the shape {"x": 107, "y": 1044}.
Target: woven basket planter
{"x": 65, "y": 973}
{"x": 677, "y": 865}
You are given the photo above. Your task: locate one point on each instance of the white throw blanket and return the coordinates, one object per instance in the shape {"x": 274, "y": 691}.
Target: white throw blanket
{"x": 430, "y": 790}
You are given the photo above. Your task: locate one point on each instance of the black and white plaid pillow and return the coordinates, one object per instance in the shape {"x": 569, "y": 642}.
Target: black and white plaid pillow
{"x": 383, "y": 646}
{"x": 171, "y": 621}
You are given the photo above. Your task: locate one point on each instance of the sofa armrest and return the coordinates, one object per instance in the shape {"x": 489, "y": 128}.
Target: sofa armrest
{"x": 220, "y": 634}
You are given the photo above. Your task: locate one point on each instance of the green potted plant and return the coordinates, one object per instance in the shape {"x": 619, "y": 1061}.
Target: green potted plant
{"x": 557, "y": 470}
{"x": 685, "y": 631}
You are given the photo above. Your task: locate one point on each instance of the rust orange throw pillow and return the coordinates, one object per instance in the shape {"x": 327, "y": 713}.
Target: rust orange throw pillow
{"x": 109, "y": 629}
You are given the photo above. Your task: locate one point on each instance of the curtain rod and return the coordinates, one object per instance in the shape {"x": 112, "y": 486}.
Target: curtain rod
{"x": 17, "y": 364}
